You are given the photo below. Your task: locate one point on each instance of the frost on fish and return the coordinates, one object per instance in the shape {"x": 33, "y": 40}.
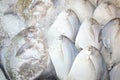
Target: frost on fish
{"x": 35, "y": 12}
{"x": 26, "y": 57}
{"x": 3, "y": 37}
{"x": 12, "y": 25}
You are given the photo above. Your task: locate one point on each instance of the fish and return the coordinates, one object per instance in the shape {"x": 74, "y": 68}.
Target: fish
{"x": 88, "y": 34}
{"x": 110, "y": 37}
{"x": 27, "y": 56}
{"x": 104, "y": 13}
{"x": 83, "y": 8}
{"x": 88, "y": 65}
{"x": 67, "y": 24}
{"x": 114, "y": 73}
{"x": 62, "y": 53}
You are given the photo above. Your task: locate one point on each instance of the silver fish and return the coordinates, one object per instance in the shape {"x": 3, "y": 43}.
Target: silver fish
{"x": 88, "y": 34}
{"x": 114, "y": 73}
{"x": 88, "y": 65}
{"x": 83, "y": 8}
{"x": 62, "y": 53}
{"x": 104, "y": 13}
{"x": 111, "y": 39}
{"x": 67, "y": 24}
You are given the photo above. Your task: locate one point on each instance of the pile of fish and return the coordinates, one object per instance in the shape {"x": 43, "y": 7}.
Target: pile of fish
{"x": 59, "y": 39}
